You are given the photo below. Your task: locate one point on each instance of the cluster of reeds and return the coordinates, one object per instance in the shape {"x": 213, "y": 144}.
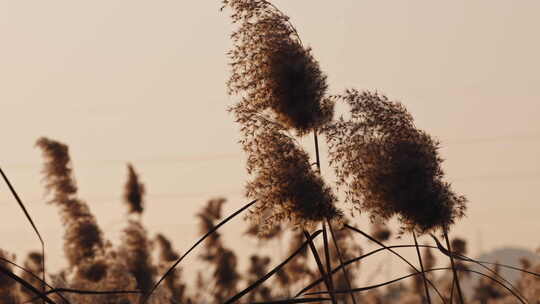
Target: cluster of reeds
{"x": 128, "y": 272}
{"x": 385, "y": 166}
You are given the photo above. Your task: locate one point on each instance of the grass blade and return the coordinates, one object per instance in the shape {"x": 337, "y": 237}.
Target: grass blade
{"x": 320, "y": 266}
{"x": 340, "y": 257}
{"x": 272, "y": 272}
{"x": 428, "y": 298}
{"x": 353, "y": 260}
{"x": 29, "y": 218}
{"x": 418, "y": 273}
{"x": 169, "y": 271}
{"x": 396, "y": 254}
{"x": 34, "y": 276}
{"x": 25, "y": 284}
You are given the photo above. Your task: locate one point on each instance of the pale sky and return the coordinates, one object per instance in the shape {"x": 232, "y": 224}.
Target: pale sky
{"x": 144, "y": 82}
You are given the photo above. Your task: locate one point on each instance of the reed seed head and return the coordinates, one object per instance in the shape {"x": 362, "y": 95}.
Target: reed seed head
{"x": 134, "y": 192}
{"x": 285, "y": 183}
{"x": 388, "y": 166}
{"x": 271, "y": 69}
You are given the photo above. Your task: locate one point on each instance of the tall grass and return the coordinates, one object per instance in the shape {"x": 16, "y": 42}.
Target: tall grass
{"x": 385, "y": 167}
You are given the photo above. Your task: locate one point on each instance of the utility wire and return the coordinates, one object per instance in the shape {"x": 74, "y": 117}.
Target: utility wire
{"x": 205, "y": 157}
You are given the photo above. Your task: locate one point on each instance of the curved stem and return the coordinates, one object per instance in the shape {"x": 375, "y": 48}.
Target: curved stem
{"x": 397, "y": 254}
{"x": 170, "y": 270}
{"x": 25, "y": 284}
{"x": 29, "y": 218}
{"x": 34, "y": 276}
{"x": 413, "y": 274}
{"x": 273, "y": 271}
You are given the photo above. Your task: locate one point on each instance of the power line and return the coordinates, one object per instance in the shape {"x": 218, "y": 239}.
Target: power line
{"x": 205, "y": 157}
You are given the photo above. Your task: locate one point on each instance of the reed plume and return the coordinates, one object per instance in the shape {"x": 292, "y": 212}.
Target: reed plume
{"x": 173, "y": 282}
{"x": 135, "y": 247}
{"x": 288, "y": 189}
{"x": 83, "y": 240}
{"x": 136, "y": 253}
{"x": 272, "y": 71}
{"x": 134, "y": 192}
{"x": 388, "y": 166}
{"x": 257, "y": 268}
{"x": 223, "y": 260}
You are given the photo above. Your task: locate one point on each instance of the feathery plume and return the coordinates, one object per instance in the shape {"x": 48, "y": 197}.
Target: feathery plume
{"x": 258, "y": 268}
{"x": 388, "y": 166}
{"x": 135, "y": 248}
{"x": 173, "y": 282}
{"x": 83, "y": 241}
{"x": 134, "y": 192}
{"x": 224, "y": 260}
{"x": 273, "y": 71}
{"x": 136, "y": 254}
{"x": 287, "y": 187}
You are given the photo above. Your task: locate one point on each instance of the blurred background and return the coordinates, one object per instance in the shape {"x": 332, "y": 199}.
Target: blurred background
{"x": 144, "y": 82}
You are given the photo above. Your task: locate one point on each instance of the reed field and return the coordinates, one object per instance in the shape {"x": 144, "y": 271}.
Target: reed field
{"x": 384, "y": 167}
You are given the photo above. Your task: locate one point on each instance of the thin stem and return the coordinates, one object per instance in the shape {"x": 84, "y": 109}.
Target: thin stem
{"x": 428, "y": 298}
{"x": 397, "y": 254}
{"x": 330, "y": 283}
{"x": 327, "y": 257}
{"x": 482, "y": 264}
{"x": 32, "y": 275}
{"x": 29, "y": 218}
{"x": 427, "y": 270}
{"x": 320, "y": 266}
{"x": 273, "y": 271}
{"x": 317, "y": 150}
{"x": 456, "y": 278}
{"x": 26, "y": 285}
{"x": 340, "y": 257}
{"x": 170, "y": 270}
{"x": 452, "y": 290}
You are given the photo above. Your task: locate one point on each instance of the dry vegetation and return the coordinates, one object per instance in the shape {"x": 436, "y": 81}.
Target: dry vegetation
{"x": 385, "y": 167}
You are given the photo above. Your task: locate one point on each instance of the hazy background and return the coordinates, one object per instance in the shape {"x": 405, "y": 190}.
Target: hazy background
{"x": 144, "y": 82}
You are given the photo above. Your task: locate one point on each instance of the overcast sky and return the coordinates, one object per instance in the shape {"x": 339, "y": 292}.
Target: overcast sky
{"x": 144, "y": 82}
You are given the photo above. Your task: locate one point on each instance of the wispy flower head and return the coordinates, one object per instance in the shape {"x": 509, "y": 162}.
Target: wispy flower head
{"x": 258, "y": 268}
{"x": 223, "y": 259}
{"x": 287, "y": 187}
{"x": 83, "y": 241}
{"x": 134, "y": 192}
{"x": 57, "y": 169}
{"x": 173, "y": 282}
{"x": 272, "y": 70}
{"x": 388, "y": 166}
{"x": 136, "y": 253}
{"x": 166, "y": 251}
